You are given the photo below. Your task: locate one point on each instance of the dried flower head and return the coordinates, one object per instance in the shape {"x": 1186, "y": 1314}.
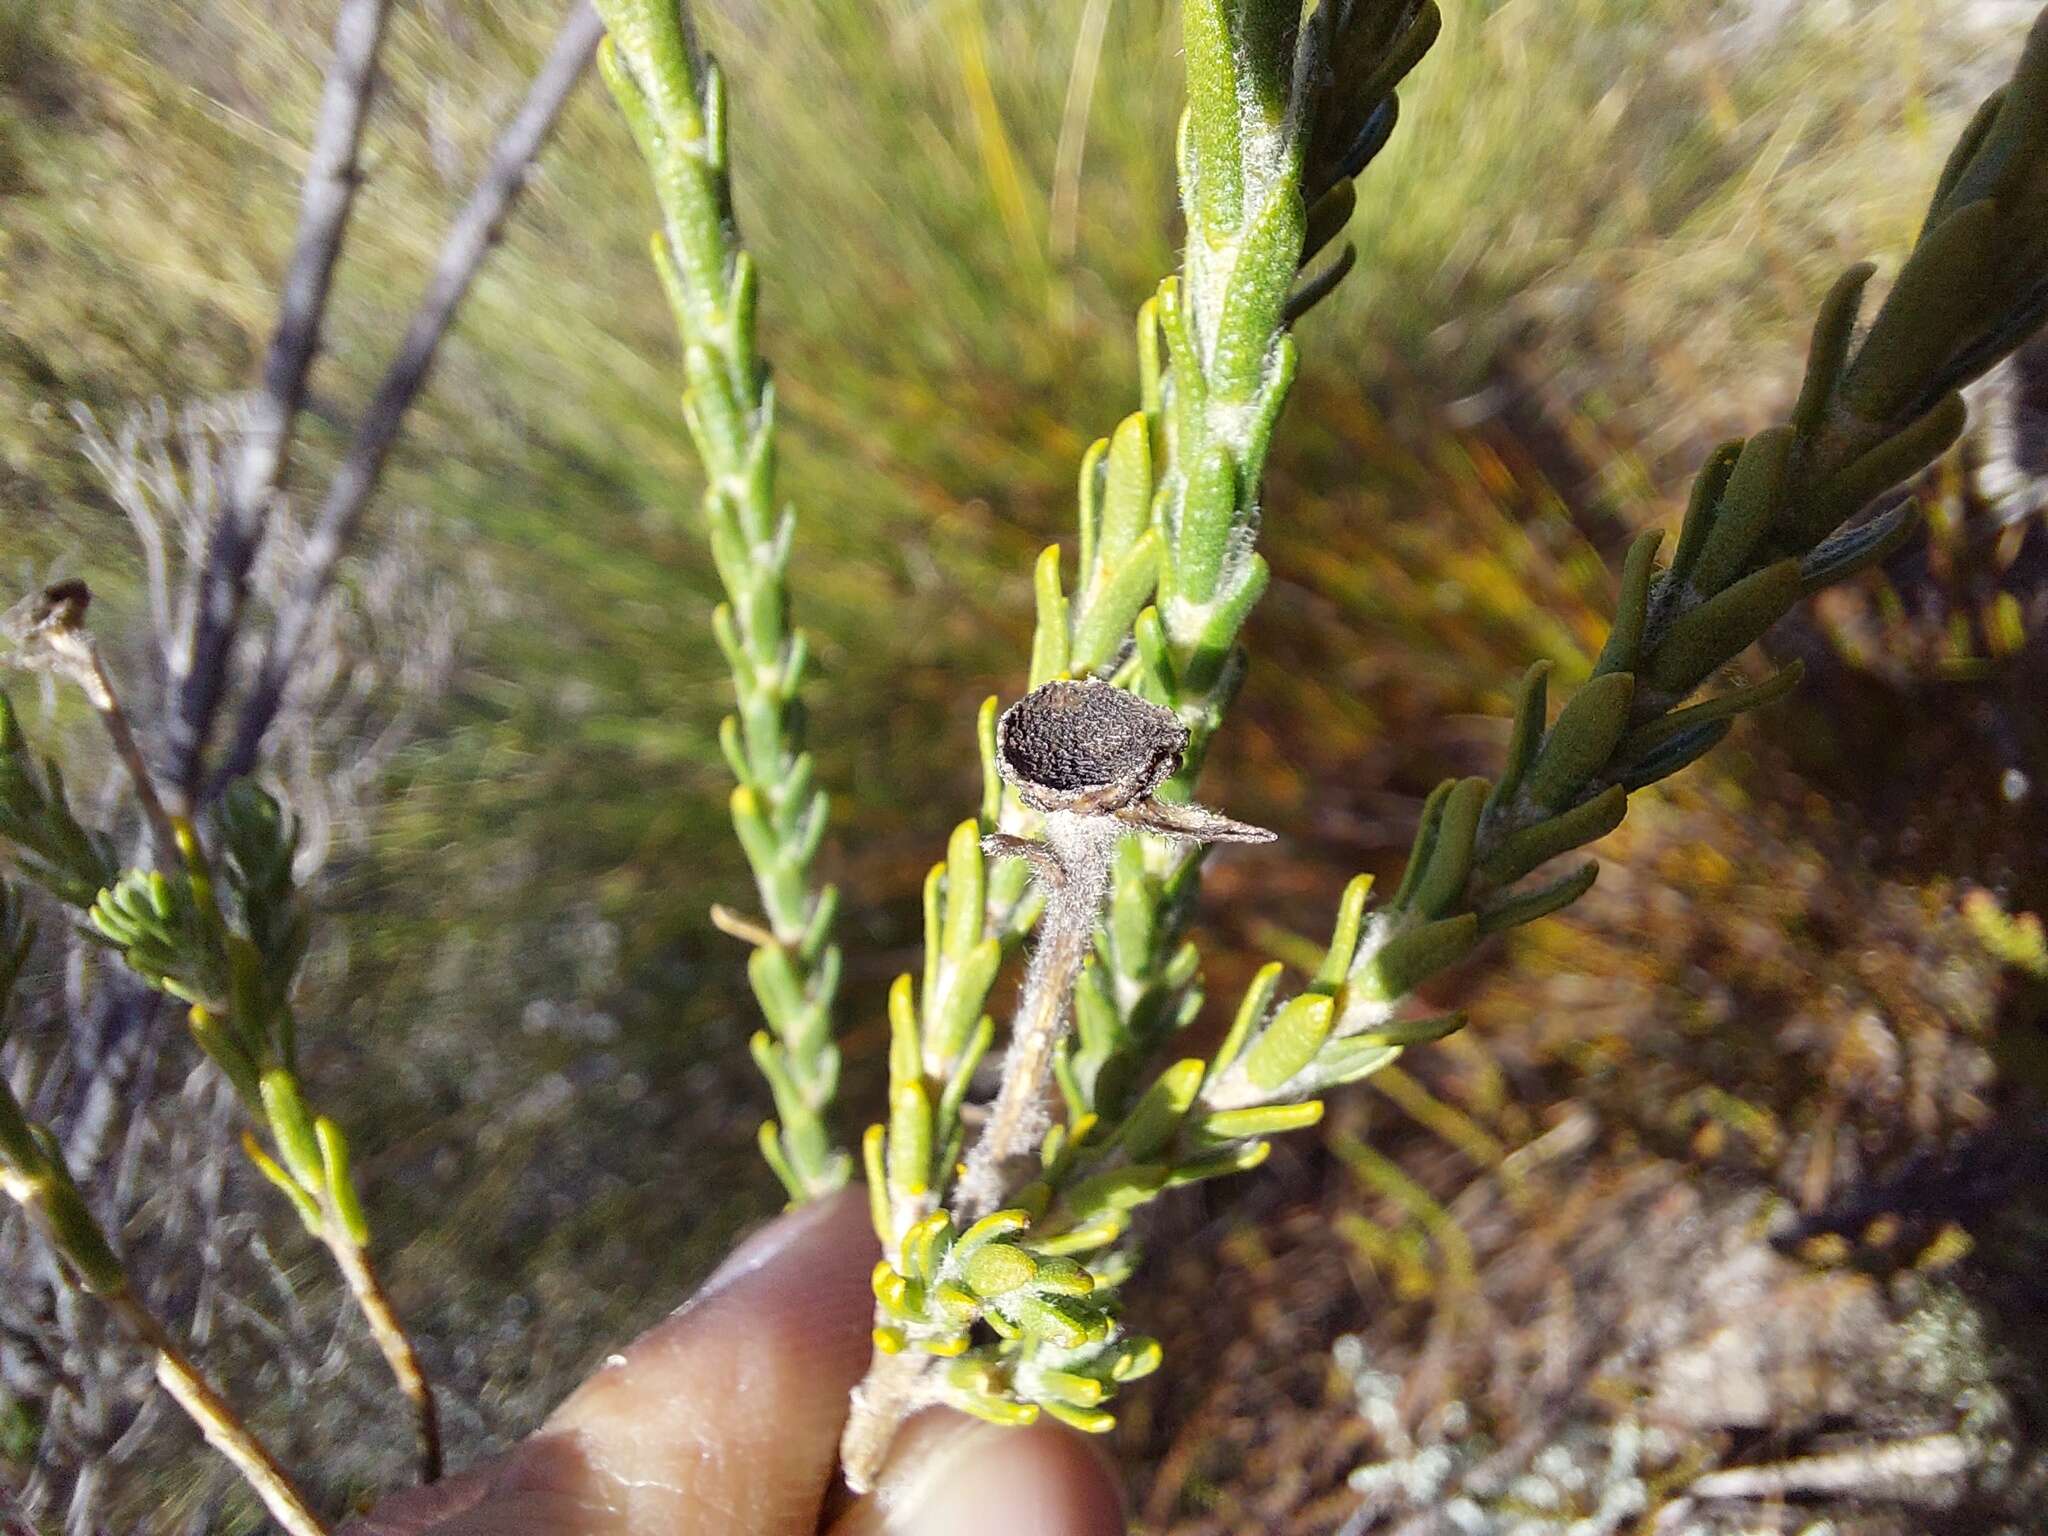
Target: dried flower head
{"x": 55, "y": 610}
{"x": 46, "y": 632}
{"x": 1089, "y": 748}
{"x": 62, "y": 604}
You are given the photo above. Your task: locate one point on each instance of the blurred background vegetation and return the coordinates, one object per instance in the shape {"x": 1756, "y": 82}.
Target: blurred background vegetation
{"x": 1763, "y": 1108}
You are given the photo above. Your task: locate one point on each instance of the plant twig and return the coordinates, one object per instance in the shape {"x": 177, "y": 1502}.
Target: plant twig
{"x": 48, "y": 631}
{"x": 255, "y": 1047}
{"x": 469, "y": 240}
{"x": 673, "y": 98}
{"x": 1017, "y": 1118}
{"x": 327, "y": 199}
{"x": 35, "y": 1176}
{"x": 222, "y": 1428}
{"x": 1088, "y": 756}
{"x": 99, "y": 692}
{"x": 216, "y": 1419}
{"x": 895, "y": 1388}
{"x": 392, "y": 1340}
{"x": 1888, "y": 1467}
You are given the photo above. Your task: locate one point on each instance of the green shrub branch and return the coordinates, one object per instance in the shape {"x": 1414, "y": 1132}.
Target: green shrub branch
{"x": 1166, "y": 576}
{"x": 673, "y": 98}
{"x": 1018, "y": 1313}
{"x": 1015, "y": 1313}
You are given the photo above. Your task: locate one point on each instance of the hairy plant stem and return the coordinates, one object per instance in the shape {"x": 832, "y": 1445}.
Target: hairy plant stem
{"x": 393, "y": 1341}
{"x": 1169, "y": 506}
{"x": 1072, "y": 868}
{"x": 1076, "y": 880}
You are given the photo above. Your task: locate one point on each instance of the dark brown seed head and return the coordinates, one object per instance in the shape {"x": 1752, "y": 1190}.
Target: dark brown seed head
{"x": 1087, "y": 746}
{"x": 61, "y": 605}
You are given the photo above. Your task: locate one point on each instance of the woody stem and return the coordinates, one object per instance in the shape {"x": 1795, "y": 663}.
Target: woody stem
{"x": 1083, "y": 844}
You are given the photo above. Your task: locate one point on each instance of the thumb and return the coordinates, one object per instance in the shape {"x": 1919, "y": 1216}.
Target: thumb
{"x": 950, "y": 1474}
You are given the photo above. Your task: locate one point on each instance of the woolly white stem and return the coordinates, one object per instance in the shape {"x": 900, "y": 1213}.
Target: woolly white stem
{"x": 1017, "y": 1121}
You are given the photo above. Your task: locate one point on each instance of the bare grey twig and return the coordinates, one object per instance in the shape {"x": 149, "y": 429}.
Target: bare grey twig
{"x": 475, "y": 230}
{"x": 201, "y": 670}
{"x": 1891, "y": 1466}
{"x": 205, "y": 493}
